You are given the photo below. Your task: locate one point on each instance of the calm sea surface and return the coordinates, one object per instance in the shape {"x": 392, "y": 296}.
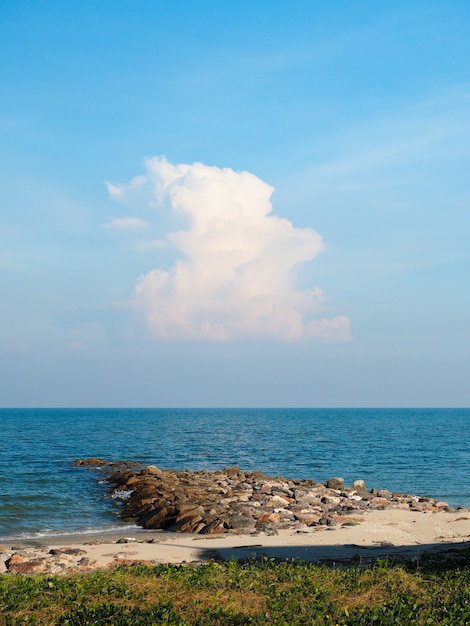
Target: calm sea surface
{"x": 417, "y": 451}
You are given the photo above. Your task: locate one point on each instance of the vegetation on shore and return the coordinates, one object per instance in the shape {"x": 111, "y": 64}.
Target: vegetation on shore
{"x": 435, "y": 590}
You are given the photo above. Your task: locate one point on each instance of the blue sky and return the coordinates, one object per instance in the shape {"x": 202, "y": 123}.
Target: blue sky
{"x": 234, "y": 204}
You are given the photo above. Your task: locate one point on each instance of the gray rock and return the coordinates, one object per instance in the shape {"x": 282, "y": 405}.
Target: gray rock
{"x": 384, "y": 493}
{"x": 334, "y": 483}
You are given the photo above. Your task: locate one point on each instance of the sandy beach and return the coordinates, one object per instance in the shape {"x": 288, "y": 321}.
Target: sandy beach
{"x": 375, "y": 534}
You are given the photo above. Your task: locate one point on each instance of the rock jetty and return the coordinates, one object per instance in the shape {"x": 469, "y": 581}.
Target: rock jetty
{"x": 234, "y": 501}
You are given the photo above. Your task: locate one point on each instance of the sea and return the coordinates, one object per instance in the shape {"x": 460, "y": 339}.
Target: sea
{"x": 423, "y": 452}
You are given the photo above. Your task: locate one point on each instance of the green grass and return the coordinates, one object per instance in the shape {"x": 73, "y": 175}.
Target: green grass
{"x": 433, "y": 591}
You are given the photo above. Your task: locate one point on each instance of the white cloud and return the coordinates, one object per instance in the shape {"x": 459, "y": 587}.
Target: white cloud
{"x": 234, "y": 275}
{"x": 126, "y": 223}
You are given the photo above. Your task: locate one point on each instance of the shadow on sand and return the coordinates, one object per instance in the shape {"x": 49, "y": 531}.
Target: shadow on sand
{"x": 448, "y": 555}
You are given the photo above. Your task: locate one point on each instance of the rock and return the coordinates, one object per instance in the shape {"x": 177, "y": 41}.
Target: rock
{"x": 308, "y": 517}
{"x": 283, "y": 492}
{"x": 151, "y": 470}
{"x": 243, "y": 486}
{"x": 162, "y": 519}
{"x": 384, "y": 493}
{"x": 91, "y": 461}
{"x": 35, "y": 566}
{"x": 244, "y": 523}
{"x": 280, "y": 501}
{"x": 424, "y": 506}
{"x": 88, "y": 565}
{"x": 334, "y": 483}
{"x": 68, "y": 551}
{"x": 14, "y": 559}
{"x": 268, "y": 518}
{"x": 189, "y": 523}
{"x": 234, "y": 472}
{"x": 215, "y": 527}
{"x": 378, "y": 503}
{"x": 133, "y": 480}
{"x": 330, "y": 500}
{"x": 359, "y": 485}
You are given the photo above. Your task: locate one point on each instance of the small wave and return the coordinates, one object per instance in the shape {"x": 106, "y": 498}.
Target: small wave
{"x": 124, "y": 494}
{"x": 83, "y": 532}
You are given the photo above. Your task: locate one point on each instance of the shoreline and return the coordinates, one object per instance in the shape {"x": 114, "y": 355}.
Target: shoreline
{"x": 392, "y": 533}
{"x": 195, "y": 517}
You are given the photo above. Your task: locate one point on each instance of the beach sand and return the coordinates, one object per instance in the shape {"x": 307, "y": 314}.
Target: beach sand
{"x": 375, "y": 534}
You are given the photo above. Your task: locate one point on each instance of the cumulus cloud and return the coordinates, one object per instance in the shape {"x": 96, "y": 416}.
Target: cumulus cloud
{"x": 236, "y": 261}
{"x": 126, "y": 223}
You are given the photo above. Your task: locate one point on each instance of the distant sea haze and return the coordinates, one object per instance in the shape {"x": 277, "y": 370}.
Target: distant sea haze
{"x": 418, "y": 451}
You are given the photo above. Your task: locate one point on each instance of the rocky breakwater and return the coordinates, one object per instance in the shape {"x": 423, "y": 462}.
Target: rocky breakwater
{"x": 233, "y": 501}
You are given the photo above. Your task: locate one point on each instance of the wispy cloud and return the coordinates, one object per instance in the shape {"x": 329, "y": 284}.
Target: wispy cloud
{"x": 426, "y": 134}
{"x": 393, "y": 191}
{"x": 234, "y": 275}
{"x": 126, "y": 223}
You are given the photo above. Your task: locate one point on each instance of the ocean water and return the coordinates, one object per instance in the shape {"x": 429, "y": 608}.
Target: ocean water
{"x": 418, "y": 451}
